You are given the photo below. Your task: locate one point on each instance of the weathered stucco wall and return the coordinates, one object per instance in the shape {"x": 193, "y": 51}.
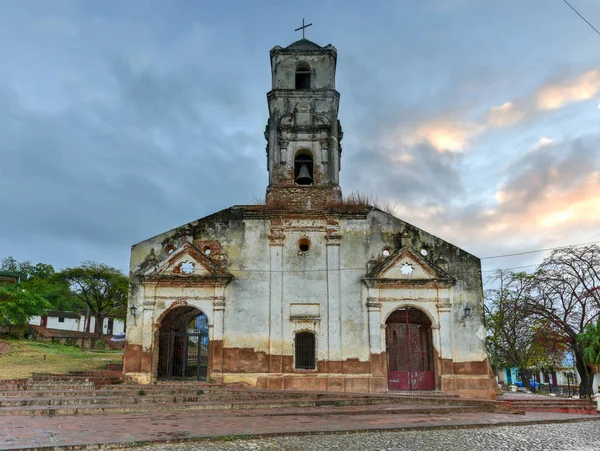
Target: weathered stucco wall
{"x": 278, "y": 290}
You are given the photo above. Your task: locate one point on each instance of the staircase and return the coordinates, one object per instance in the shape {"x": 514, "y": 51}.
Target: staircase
{"x": 96, "y": 393}
{"x": 102, "y": 392}
{"x": 558, "y": 405}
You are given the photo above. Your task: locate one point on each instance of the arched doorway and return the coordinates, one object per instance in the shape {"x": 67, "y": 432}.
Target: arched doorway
{"x": 183, "y": 345}
{"x": 409, "y": 350}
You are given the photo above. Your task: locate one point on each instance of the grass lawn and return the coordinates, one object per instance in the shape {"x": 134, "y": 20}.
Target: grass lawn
{"x": 26, "y": 357}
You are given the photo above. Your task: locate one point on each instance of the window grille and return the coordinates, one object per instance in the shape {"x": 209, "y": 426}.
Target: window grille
{"x": 305, "y": 350}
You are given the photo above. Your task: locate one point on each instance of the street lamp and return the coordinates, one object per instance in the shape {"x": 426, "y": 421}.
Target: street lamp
{"x": 133, "y": 311}
{"x": 466, "y": 314}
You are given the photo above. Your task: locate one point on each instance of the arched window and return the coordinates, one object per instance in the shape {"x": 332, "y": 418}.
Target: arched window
{"x": 305, "y": 350}
{"x": 302, "y": 76}
{"x": 303, "y": 168}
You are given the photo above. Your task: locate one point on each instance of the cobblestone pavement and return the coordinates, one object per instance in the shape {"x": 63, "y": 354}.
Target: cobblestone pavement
{"x": 582, "y": 436}
{"x": 103, "y": 431}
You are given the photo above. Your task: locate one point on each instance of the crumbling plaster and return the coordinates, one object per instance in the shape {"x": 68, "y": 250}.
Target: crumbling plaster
{"x": 249, "y": 319}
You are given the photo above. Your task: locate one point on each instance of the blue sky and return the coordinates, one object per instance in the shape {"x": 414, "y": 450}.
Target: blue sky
{"x": 479, "y": 120}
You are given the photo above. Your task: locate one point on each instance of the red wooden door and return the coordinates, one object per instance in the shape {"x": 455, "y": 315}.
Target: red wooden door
{"x": 409, "y": 351}
{"x": 44, "y": 321}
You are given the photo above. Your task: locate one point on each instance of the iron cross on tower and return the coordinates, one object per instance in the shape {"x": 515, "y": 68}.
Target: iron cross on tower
{"x": 303, "y": 27}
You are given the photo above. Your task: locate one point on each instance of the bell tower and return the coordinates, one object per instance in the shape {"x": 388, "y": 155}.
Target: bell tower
{"x": 303, "y": 132}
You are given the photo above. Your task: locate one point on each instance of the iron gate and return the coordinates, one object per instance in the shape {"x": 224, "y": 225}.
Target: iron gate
{"x": 409, "y": 351}
{"x": 186, "y": 356}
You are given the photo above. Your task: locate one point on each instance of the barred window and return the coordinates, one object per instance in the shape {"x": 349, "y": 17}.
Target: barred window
{"x": 305, "y": 350}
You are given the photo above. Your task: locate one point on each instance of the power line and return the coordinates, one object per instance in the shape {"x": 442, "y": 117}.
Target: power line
{"x": 514, "y": 267}
{"x": 539, "y": 250}
{"x": 362, "y": 268}
{"x": 586, "y": 21}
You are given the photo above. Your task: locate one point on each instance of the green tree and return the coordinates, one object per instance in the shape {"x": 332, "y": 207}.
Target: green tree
{"x": 100, "y": 288}
{"x": 17, "y": 304}
{"x": 56, "y": 291}
{"x": 41, "y": 279}
{"x": 590, "y": 339}
{"x": 10, "y": 264}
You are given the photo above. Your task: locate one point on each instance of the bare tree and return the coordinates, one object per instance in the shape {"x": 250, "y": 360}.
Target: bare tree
{"x": 515, "y": 337}
{"x": 565, "y": 291}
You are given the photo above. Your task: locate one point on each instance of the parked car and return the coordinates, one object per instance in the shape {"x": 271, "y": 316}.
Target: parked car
{"x": 532, "y": 383}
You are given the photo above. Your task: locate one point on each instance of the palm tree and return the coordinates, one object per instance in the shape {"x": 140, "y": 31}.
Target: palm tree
{"x": 590, "y": 338}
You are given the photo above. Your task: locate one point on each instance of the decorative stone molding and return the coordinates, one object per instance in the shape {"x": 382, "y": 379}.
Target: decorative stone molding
{"x": 373, "y": 304}
{"x": 276, "y": 240}
{"x": 447, "y": 307}
{"x": 333, "y": 240}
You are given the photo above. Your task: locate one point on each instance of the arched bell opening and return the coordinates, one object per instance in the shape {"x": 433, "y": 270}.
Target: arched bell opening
{"x": 183, "y": 345}
{"x": 409, "y": 348}
{"x": 303, "y": 73}
{"x": 303, "y": 168}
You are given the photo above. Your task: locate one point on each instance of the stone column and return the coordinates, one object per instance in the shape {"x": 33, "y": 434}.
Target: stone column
{"x": 334, "y": 303}
{"x": 444, "y": 308}
{"x": 146, "y": 322}
{"x": 374, "y": 312}
{"x": 216, "y": 343}
{"x": 275, "y": 378}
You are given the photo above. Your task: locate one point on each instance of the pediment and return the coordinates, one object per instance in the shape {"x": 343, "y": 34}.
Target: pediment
{"x": 405, "y": 266}
{"x": 186, "y": 262}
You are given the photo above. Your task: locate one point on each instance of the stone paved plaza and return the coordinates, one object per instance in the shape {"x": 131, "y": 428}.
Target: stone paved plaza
{"x": 565, "y": 436}
{"x": 160, "y": 428}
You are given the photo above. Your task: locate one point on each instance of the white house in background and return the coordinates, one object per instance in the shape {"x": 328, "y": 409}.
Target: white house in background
{"x": 55, "y": 319}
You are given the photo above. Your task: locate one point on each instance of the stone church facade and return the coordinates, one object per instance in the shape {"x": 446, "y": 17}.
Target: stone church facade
{"x": 307, "y": 291}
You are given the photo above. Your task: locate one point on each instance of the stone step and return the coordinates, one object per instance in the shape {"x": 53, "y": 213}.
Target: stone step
{"x": 548, "y": 400}
{"x": 573, "y": 410}
{"x": 318, "y": 407}
{"x": 551, "y": 404}
{"x": 136, "y": 398}
{"x": 57, "y": 386}
{"x": 567, "y": 405}
{"x": 51, "y": 395}
{"x": 82, "y": 375}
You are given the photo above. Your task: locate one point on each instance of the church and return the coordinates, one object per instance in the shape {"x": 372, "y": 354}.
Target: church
{"x": 310, "y": 291}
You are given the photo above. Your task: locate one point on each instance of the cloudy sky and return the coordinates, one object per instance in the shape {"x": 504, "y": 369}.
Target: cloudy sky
{"x": 478, "y": 119}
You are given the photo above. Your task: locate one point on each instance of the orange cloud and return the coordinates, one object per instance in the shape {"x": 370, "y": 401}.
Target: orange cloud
{"x": 444, "y": 135}
{"x": 504, "y": 115}
{"x": 557, "y": 208}
{"x": 583, "y": 87}
{"x": 549, "y": 97}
